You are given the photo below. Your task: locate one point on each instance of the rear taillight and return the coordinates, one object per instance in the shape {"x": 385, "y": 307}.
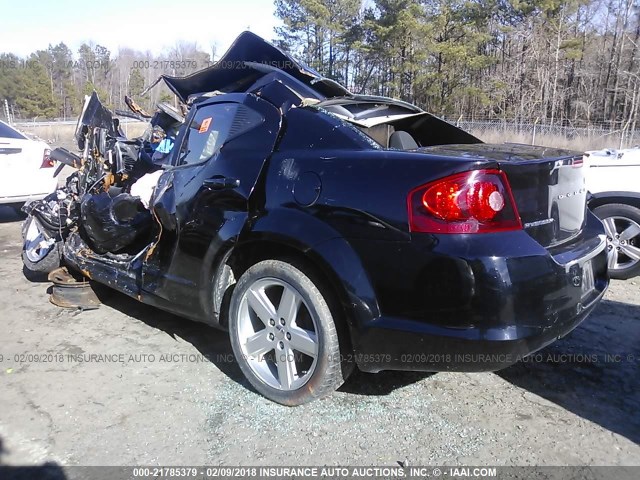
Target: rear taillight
{"x": 47, "y": 161}
{"x": 479, "y": 201}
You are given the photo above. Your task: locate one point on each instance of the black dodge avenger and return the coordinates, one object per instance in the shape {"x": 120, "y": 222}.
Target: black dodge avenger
{"x": 326, "y": 230}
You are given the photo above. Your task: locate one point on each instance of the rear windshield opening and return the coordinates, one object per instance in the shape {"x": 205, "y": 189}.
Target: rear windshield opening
{"x": 400, "y": 128}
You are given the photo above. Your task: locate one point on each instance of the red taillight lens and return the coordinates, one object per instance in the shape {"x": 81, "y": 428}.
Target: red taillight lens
{"x": 47, "y": 161}
{"x": 479, "y": 201}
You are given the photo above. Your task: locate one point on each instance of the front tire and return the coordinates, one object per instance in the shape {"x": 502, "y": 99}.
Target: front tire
{"x": 283, "y": 334}
{"x": 41, "y": 252}
{"x": 622, "y": 225}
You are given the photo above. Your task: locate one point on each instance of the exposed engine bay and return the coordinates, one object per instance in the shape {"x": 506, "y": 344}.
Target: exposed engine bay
{"x": 107, "y": 198}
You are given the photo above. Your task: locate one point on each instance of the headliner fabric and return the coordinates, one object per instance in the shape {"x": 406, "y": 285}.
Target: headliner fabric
{"x": 231, "y": 73}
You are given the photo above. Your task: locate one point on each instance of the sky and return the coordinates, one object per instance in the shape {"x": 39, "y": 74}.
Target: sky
{"x": 155, "y": 25}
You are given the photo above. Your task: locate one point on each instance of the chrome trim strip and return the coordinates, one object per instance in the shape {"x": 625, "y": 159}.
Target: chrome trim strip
{"x": 592, "y": 254}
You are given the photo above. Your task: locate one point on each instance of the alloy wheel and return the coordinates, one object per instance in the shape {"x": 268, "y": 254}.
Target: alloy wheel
{"x": 278, "y": 334}
{"x": 623, "y": 242}
{"x": 37, "y": 244}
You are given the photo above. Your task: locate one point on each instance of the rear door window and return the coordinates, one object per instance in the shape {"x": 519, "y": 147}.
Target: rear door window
{"x": 207, "y": 132}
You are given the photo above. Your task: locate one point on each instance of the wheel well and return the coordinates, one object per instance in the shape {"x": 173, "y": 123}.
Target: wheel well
{"x": 633, "y": 201}
{"x": 244, "y": 256}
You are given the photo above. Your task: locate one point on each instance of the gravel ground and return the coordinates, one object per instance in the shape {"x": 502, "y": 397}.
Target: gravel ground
{"x": 172, "y": 394}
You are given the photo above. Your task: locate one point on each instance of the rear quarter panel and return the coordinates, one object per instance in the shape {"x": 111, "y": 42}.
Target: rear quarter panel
{"x": 326, "y": 185}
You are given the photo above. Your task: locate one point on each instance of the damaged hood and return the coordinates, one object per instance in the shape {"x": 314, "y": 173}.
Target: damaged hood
{"x": 249, "y": 58}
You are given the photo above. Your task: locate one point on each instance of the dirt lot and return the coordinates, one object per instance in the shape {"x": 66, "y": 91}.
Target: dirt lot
{"x": 578, "y": 402}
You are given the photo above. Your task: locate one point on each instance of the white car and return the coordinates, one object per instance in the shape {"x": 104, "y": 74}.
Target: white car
{"x": 26, "y": 170}
{"x": 613, "y": 178}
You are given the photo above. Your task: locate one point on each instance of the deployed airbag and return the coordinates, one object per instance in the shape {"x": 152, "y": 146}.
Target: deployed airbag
{"x": 112, "y": 224}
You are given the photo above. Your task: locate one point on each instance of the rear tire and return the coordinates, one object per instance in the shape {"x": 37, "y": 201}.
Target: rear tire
{"x": 41, "y": 252}
{"x": 283, "y": 334}
{"x": 622, "y": 225}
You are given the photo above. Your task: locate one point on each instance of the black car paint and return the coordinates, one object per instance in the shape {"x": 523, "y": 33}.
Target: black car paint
{"x": 312, "y": 186}
{"x": 551, "y": 190}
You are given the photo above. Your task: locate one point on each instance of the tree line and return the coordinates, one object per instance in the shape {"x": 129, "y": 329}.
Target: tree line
{"x": 561, "y": 62}
{"x": 51, "y": 83}
{"x": 564, "y": 62}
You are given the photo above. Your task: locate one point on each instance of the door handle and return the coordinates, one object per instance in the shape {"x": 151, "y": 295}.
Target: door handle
{"x": 221, "y": 183}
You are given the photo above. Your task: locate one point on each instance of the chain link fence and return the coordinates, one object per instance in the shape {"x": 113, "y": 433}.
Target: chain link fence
{"x": 592, "y": 137}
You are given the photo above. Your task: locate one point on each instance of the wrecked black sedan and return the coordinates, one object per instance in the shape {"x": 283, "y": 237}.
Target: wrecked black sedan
{"x": 327, "y": 230}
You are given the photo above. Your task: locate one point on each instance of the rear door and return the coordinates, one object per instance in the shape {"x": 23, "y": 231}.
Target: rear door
{"x": 201, "y": 201}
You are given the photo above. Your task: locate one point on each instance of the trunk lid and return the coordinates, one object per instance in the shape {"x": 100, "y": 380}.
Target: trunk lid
{"x": 548, "y": 185}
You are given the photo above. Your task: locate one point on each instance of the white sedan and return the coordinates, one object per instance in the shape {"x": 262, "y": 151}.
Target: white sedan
{"x": 613, "y": 178}
{"x": 26, "y": 170}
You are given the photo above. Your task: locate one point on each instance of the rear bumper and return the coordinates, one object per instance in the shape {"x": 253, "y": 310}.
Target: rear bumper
{"x": 472, "y": 311}
{"x": 401, "y": 344}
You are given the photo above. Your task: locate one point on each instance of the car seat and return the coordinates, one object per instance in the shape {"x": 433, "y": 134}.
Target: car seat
{"x": 401, "y": 140}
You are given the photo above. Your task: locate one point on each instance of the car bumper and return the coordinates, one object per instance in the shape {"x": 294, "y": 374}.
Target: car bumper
{"x": 400, "y": 344}
{"x": 479, "y": 312}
